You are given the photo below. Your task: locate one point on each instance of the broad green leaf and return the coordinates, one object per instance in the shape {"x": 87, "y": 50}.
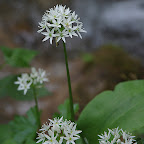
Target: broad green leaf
{"x": 8, "y": 88}
{"x": 139, "y": 140}
{"x": 79, "y": 141}
{"x": 25, "y": 128}
{"x": 123, "y": 107}
{"x": 5, "y": 132}
{"x": 18, "y": 57}
{"x": 64, "y": 110}
{"x": 29, "y": 141}
{"x": 9, "y": 141}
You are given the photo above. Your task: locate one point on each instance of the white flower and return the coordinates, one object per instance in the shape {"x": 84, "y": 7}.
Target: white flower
{"x": 71, "y": 32}
{"x": 42, "y": 26}
{"x": 116, "y": 136}
{"x": 52, "y": 14}
{"x": 51, "y": 138}
{"x": 42, "y": 76}
{"x": 24, "y": 82}
{"x": 25, "y": 86}
{"x": 67, "y": 22}
{"x": 75, "y": 17}
{"x": 70, "y": 138}
{"x": 62, "y": 35}
{"x": 23, "y": 79}
{"x": 45, "y": 127}
{"x": 45, "y": 18}
{"x": 59, "y": 22}
{"x": 49, "y": 35}
{"x": 56, "y": 123}
{"x": 79, "y": 29}
{"x": 41, "y": 137}
{"x": 65, "y": 12}
{"x": 56, "y": 23}
{"x": 35, "y": 78}
{"x": 59, "y": 132}
{"x": 34, "y": 75}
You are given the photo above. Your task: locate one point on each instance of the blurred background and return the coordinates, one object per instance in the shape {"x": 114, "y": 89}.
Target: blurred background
{"x": 110, "y": 52}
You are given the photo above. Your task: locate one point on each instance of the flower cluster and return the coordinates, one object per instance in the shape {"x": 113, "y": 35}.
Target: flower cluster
{"x": 116, "y": 136}
{"x": 58, "y": 131}
{"x": 34, "y": 78}
{"x": 59, "y": 22}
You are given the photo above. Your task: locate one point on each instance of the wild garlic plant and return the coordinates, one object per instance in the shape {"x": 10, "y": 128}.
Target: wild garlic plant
{"x": 32, "y": 81}
{"x": 57, "y": 24}
{"x": 60, "y": 22}
{"x": 58, "y": 131}
{"x": 116, "y": 136}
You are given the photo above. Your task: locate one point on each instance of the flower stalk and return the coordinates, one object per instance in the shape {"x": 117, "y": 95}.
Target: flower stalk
{"x": 37, "y": 108}
{"x": 32, "y": 81}
{"x": 69, "y": 83}
{"x": 59, "y": 23}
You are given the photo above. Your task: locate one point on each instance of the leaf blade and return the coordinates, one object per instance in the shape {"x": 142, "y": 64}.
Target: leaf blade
{"x": 122, "y": 107}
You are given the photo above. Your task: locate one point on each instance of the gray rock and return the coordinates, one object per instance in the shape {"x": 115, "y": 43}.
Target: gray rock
{"x": 114, "y": 21}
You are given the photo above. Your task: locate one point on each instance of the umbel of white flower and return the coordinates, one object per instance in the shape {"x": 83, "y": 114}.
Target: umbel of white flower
{"x": 116, "y": 136}
{"x": 58, "y": 131}
{"x": 35, "y": 78}
{"x": 60, "y": 22}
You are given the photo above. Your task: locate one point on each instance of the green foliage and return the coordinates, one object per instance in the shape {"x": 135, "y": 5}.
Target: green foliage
{"x": 87, "y": 57}
{"x": 5, "y": 132}
{"x": 18, "y": 57}
{"x": 22, "y": 130}
{"x": 9, "y": 141}
{"x": 8, "y": 88}
{"x": 25, "y": 128}
{"x": 140, "y": 141}
{"x": 64, "y": 110}
{"x": 29, "y": 141}
{"x": 123, "y": 107}
{"x": 79, "y": 141}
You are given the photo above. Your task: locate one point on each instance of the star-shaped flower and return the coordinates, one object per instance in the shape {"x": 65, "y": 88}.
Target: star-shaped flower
{"x": 60, "y": 22}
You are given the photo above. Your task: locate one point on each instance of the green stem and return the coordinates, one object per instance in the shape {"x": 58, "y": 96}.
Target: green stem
{"x": 36, "y": 103}
{"x": 69, "y": 83}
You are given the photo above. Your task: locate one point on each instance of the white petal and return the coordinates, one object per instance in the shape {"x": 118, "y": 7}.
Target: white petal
{"x": 63, "y": 38}
{"x": 58, "y": 39}
{"x": 51, "y": 40}
{"x": 25, "y": 91}
{"x": 39, "y": 31}
{"x": 79, "y": 35}
{"x": 46, "y": 38}
{"x": 70, "y": 35}
{"x": 45, "y": 33}
{"x": 75, "y": 34}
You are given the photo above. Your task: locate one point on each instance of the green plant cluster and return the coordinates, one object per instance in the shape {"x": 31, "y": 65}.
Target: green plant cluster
{"x": 123, "y": 107}
{"x": 18, "y": 58}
